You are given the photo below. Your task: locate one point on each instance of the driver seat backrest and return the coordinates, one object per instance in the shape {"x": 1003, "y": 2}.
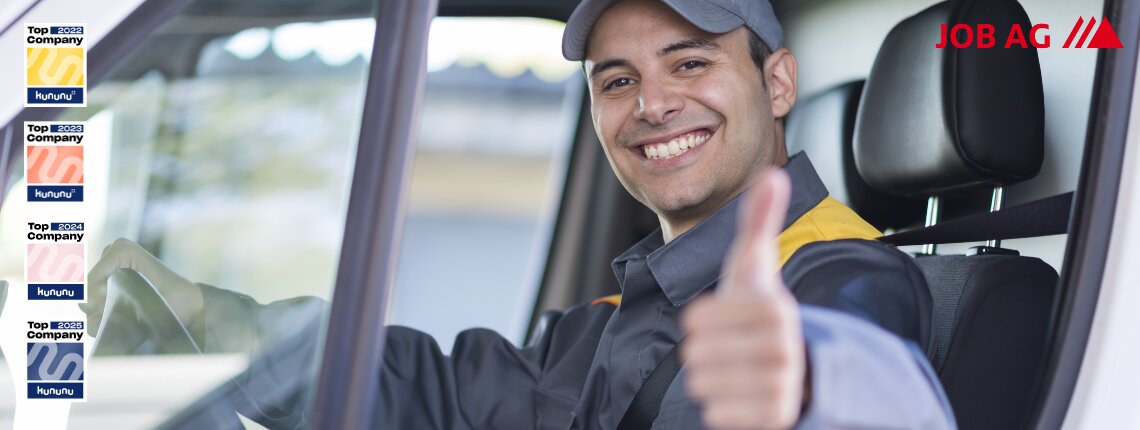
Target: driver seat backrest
{"x": 935, "y": 122}
{"x": 823, "y": 126}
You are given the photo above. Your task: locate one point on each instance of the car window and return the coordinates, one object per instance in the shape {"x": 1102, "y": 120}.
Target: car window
{"x": 234, "y": 172}
{"x": 232, "y": 168}
{"x": 493, "y": 141}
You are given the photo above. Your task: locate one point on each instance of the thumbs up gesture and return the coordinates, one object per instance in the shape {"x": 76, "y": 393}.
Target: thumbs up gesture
{"x": 744, "y": 350}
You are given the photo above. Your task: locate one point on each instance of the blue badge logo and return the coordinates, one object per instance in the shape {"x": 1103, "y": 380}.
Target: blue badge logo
{"x": 51, "y": 361}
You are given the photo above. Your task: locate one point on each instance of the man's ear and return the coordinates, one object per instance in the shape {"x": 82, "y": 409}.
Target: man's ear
{"x": 780, "y": 75}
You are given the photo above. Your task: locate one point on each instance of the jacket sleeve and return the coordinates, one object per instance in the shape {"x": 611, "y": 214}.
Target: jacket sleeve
{"x": 864, "y": 377}
{"x": 487, "y": 382}
{"x": 866, "y": 279}
{"x": 232, "y": 322}
{"x": 868, "y": 361}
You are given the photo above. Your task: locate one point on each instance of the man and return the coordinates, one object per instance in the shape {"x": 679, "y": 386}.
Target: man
{"x": 688, "y": 99}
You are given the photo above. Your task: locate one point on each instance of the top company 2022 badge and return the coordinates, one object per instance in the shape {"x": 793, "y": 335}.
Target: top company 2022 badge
{"x": 56, "y": 62}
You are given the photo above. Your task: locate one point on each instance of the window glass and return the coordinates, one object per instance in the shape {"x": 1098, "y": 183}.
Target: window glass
{"x": 227, "y": 153}
{"x": 494, "y": 134}
{"x": 233, "y": 170}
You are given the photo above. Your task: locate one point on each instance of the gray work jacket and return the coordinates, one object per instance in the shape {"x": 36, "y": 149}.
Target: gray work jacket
{"x": 864, "y": 305}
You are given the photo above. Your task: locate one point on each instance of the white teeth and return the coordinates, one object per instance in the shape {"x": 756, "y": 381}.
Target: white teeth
{"x": 674, "y": 147}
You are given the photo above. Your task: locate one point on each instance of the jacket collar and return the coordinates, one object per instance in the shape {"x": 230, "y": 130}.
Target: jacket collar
{"x": 692, "y": 261}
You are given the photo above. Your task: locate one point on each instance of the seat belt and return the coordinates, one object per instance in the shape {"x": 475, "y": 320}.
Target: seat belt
{"x": 1044, "y": 217}
{"x": 647, "y": 402}
{"x": 828, "y": 215}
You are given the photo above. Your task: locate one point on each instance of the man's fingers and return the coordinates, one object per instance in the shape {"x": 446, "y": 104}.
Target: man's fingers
{"x": 754, "y": 262}
{"x": 744, "y": 349}
{"x": 710, "y": 314}
{"x": 726, "y": 382}
{"x": 184, "y": 296}
{"x": 120, "y": 254}
{"x": 755, "y": 348}
{"x": 746, "y": 413}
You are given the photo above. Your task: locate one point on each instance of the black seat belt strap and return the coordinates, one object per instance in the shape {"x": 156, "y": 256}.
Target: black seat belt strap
{"x": 1042, "y": 217}
{"x": 647, "y": 402}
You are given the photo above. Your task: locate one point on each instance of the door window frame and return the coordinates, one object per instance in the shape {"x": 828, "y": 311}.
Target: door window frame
{"x": 1091, "y": 220}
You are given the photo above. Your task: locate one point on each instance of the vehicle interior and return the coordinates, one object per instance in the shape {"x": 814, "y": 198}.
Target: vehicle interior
{"x": 228, "y": 139}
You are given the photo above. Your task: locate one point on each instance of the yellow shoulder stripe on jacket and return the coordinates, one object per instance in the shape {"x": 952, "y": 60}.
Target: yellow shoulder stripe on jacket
{"x": 613, "y": 300}
{"x": 828, "y": 220}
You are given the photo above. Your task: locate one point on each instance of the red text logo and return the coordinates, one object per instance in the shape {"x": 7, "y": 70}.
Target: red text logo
{"x": 985, "y": 36}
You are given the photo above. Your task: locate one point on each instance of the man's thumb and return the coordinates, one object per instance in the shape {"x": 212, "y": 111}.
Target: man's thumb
{"x": 754, "y": 263}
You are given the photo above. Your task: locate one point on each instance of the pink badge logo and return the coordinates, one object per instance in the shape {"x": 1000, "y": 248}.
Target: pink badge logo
{"x": 55, "y": 262}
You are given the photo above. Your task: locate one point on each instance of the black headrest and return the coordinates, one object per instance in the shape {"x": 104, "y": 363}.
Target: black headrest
{"x": 934, "y": 120}
{"x": 823, "y": 126}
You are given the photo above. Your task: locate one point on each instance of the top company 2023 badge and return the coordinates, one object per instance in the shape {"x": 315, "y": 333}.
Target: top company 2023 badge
{"x": 56, "y": 63}
{"x": 54, "y": 161}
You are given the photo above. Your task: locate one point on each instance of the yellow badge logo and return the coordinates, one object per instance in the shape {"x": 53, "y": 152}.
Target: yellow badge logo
{"x": 55, "y": 66}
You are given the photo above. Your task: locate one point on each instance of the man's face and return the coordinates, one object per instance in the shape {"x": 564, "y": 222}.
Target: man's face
{"x": 682, "y": 114}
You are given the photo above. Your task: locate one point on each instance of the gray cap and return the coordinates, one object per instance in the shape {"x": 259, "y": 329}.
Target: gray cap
{"x": 713, "y": 16}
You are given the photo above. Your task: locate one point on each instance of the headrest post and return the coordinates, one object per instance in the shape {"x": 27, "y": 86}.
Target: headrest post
{"x": 997, "y": 201}
{"x": 933, "y": 214}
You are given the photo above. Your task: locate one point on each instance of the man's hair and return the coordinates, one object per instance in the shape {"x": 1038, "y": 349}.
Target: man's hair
{"x": 760, "y": 52}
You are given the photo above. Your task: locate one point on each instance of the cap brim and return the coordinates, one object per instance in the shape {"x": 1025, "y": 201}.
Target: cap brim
{"x": 705, "y": 16}
{"x": 579, "y": 26}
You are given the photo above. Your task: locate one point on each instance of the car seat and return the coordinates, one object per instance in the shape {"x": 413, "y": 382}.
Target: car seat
{"x": 937, "y": 121}
{"x": 823, "y": 126}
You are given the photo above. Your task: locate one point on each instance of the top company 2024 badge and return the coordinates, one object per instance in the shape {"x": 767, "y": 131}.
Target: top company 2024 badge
{"x": 56, "y": 63}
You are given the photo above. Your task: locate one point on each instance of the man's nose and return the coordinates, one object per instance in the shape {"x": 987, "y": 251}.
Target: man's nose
{"x": 657, "y": 102}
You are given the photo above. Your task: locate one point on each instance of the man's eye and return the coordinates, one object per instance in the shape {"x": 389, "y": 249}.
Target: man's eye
{"x": 693, "y": 64}
{"x": 616, "y": 83}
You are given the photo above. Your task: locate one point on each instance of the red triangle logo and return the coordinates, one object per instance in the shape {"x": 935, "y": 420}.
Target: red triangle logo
{"x": 1105, "y": 37}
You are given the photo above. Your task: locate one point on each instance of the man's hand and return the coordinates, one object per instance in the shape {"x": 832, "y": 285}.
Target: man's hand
{"x": 183, "y": 296}
{"x": 744, "y": 350}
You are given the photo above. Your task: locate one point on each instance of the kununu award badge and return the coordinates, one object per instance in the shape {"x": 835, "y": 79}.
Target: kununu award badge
{"x": 54, "y": 161}
{"x": 55, "y": 58}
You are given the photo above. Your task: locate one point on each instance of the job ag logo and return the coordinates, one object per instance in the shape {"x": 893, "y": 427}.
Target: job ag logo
{"x": 984, "y": 36}
{"x": 50, "y": 365}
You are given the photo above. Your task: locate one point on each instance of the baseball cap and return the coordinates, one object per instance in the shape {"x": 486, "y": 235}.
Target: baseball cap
{"x": 713, "y": 16}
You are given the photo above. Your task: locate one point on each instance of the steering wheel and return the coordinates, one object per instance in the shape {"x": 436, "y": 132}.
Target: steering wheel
{"x": 137, "y": 320}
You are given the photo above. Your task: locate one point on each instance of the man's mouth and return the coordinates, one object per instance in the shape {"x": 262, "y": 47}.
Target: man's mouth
{"x": 676, "y": 146}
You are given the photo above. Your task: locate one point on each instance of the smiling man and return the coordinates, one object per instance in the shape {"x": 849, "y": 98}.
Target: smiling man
{"x": 760, "y": 303}
{"x": 688, "y": 99}
{"x": 684, "y": 115}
